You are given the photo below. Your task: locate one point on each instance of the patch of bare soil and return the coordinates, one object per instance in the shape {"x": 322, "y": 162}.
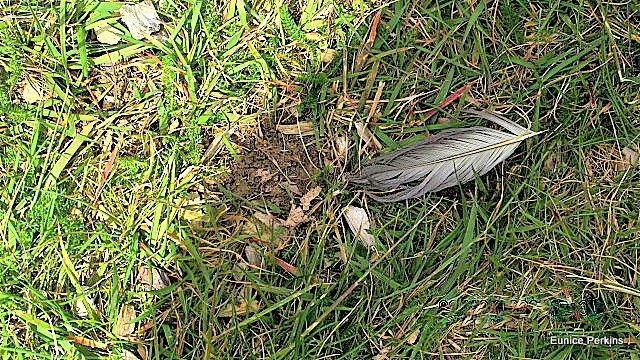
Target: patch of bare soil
{"x": 273, "y": 167}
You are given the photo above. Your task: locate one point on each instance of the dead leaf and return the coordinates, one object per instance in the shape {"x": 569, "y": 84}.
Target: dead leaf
{"x": 363, "y": 53}
{"x": 191, "y": 215}
{"x": 443, "y": 120}
{"x": 342, "y": 146}
{"x": 305, "y": 201}
{"x": 152, "y": 279}
{"x": 34, "y": 91}
{"x": 382, "y": 355}
{"x": 266, "y": 219}
{"x": 88, "y": 342}
{"x": 451, "y": 98}
{"x": 367, "y": 136}
{"x": 413, "y": 337}
{"x": 264, "y": 175}
{"x": 238, "y": 271}
{"x": 107, "y": 34}
{"x": 143, "y": 352}
{"x": 629, "y": 158}
{"x": 252, "y": 256}
{"x": 302, "y": 128}
{"x": 123, "y": 327}
{"x": 551, "y": 161}
{"x": 141, "y": 19}
{"x": 285, "y": 265}
{"x": 327, "y": 55}
{"x": 81, "y": 309}
{"x": 358, "y": 222}
{"x": 294, "y": 189}
{"x": 296, "y": 216}
{"x": 239, "y": 308}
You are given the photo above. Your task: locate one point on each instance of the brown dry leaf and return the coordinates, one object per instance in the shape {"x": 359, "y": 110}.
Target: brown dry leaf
{"x": 367, "y": 136}
{"x": 294, "y": 189}
{"x": 551, "y": 161}
{"x": 141, "y": 19}
{"x": 382, "y": 355}
{"x": 448, "y": 100}
{"x": 252, "y": 256}
{"x": 296, "y": 216}
{"x": 239, "y": 308}
{"x": 266, "y": 219}
{"x": 264, "y": 175}
{"x": 363, "y": 53}
{"x": 413, "y": 337}
{"x": 629, "y": 158}
{"x": 143, "y": 352}
{"x": 123, "y": 327}
{"x": 107, "y": 34}
{"x": 358, "y": 222}
{"x": 88, "y": 342}
{"x": 152, "y": 279}
{"x": 285, "y": 265}
{"x": 303, "y": 128}
{"x": 327, "y": 55}
{"x": 305, "y": 200}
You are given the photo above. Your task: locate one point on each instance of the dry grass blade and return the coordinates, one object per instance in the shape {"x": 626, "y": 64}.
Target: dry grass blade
{"x": 438, "y": 162}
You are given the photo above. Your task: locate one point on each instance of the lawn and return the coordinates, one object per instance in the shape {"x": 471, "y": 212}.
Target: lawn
{"x": 182, "y": 192}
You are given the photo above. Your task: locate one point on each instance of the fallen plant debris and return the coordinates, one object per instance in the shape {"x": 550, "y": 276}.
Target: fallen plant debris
{"x": 108, "y": 34}
{"x": 306, "y": 199}
{"x": 80, "y": 306}
{"x": 296, "y": 217}
{"x": 359, "y": 223}
{"x": 629, "y": 159}
{"x": 302, "y": 128}
{"x": 152, "y": 278}
{"x": 141, "y": 19}
{"x": 370, "y": 140}
{"x": 128, "y": 355}
{"x": 124, "y": 327}
{"x": 240, "y": 307}
{"x": 34, "y": 90}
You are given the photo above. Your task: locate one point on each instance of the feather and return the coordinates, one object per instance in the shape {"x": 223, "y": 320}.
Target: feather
{"x": 446, "y": 159}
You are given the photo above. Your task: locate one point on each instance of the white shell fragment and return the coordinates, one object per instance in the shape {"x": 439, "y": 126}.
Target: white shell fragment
{"x": 358, "y": 222}
{"x": 141, "y": 18}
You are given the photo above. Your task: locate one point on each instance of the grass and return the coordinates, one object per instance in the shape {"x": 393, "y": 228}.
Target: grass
{"x": 125, "y": 160}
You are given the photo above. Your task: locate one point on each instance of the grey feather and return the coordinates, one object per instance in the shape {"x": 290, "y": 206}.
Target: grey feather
{"x": 446, "y": 159}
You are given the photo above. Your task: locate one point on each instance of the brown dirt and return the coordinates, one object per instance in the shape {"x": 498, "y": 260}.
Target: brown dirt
{"x": 273, "y": 167}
